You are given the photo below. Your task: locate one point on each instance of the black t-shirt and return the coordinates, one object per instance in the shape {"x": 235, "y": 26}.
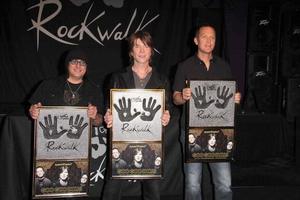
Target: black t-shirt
{"x": 194, "y": 69}
{"x": 51, "y": 93}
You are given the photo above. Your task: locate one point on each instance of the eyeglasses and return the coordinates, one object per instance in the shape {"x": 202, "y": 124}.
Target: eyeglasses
{"x": 79, "y": 62}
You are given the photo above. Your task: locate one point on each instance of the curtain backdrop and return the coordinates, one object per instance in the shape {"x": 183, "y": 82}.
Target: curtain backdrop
{"x": 35, "y": 36}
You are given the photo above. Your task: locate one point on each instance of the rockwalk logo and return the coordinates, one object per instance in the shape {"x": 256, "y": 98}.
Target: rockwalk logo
{"x": 71, "y": 35}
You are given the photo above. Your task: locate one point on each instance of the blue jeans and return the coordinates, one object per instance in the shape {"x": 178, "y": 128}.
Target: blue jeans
{"x": 221, "y": 176}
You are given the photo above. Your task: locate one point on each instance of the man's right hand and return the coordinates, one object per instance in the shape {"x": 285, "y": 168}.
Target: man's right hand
{"x": 108, "y": 118}
{"x": 34, "y": 110}
{"x": 182, "y": 97}
{"x": 186, "y": 94}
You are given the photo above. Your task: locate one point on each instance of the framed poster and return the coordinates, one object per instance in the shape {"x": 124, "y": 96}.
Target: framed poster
{"x": 136, "y": 135}
{"x": 210, "y": 121}
{"x": 61, "y": 152}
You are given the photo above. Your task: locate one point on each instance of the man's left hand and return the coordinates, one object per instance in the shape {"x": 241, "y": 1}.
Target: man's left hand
{"x": 237, "y": 97}
{"x": 165, "y": 119}
{"x": 92, "y": 111}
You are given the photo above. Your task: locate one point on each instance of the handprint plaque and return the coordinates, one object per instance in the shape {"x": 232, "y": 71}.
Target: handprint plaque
{"x": 212, "y": 103}
{"x": 62, "y": 132}
{"x": 137, "y": 114}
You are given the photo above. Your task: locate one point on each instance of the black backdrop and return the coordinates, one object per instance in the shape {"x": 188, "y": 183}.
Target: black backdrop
{"x": 35, "y": 36}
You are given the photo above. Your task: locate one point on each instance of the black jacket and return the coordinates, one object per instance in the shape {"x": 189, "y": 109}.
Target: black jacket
{"x": 125, "y": 80}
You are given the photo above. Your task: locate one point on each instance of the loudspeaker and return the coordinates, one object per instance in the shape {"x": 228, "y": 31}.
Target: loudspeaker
{"x": 290, "y": 40}
{"x": 258, "y": 62}
{"x": 297, "y": 143}
{"x": 262, "y": 28}
{"x": 262, "y": 92}
{"x": 293, "y": 98}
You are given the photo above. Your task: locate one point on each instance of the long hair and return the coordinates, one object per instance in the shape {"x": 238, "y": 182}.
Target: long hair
{"x": 145, "y": 37}
{"x": 147, "y": 153}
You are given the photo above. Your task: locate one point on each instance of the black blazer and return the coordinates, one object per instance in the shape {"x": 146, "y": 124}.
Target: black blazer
{"x": 125, "y": 80}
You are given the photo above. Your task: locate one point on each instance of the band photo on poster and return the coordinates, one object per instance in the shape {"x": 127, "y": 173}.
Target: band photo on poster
{"x": 136, "y": 139}
{"x": 210, "y": 144}
{"x": 136, "y": 159}
{"x": 57, "y": 178}
{"x": 61, "y": 152}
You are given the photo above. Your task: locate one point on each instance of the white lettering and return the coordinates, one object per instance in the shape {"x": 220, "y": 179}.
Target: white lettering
{"x": 67, "y": 35}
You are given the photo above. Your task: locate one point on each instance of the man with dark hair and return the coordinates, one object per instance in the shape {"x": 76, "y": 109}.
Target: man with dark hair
{"x": 117, "y": 161}
{"x": 203, "y": 66}
{"x": 72, "y": 89}
{"x": 139, "y": 75}
{"x": 40, "y": 180}
{"x": 193, "y": 146}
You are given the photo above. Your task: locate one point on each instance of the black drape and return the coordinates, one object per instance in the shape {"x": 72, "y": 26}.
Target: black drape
{"x": 33, "y": 48}
{"x": 36, "y": 34}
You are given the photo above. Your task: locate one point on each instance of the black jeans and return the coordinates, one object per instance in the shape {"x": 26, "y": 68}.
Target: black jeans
{"x": 113, "y": 189}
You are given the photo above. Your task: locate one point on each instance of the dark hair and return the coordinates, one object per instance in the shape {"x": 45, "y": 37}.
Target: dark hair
{"x": 40, "y": 167}
{"x": 147, "y": 153}
{"x": 192, "y": 135}
{"x": 199, "y": 26}
{"x": 219, "y": 136}
{"x": 76, "y": 53}
{"x": 74, "y": 173}
{"x": 145, "y": 37}
{"x": 115, "y": 148}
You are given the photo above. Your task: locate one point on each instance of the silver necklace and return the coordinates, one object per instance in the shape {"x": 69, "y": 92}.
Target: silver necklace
{"x": 74, "y": 93}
